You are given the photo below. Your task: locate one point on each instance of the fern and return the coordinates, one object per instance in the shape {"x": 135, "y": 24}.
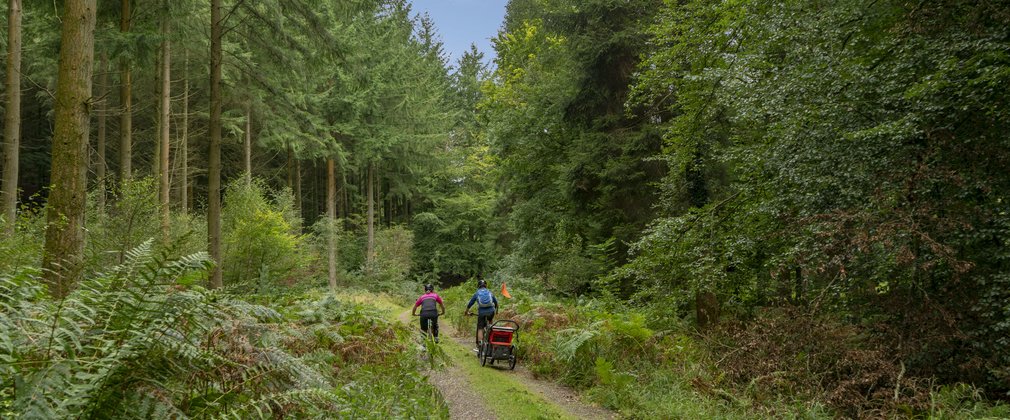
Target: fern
{"x": 572, "y": 341}
{"x": 139, "y": 341}
{"x": 133, "y": 342}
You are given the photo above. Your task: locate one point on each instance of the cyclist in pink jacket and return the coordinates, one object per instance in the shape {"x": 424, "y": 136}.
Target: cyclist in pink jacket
{"x": 429, "y": 312}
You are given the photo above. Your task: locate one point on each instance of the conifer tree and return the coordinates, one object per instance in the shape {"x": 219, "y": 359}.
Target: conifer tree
{"x": 64, "y": 242}
{"x": 12, "y": 118}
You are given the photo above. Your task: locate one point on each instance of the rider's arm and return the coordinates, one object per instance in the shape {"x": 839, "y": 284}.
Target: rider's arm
{"x": 495, "y": 303}
{"x": 438, "y": 299}
{"x": 416, "y": 304}
{"x": 472, "y": 300}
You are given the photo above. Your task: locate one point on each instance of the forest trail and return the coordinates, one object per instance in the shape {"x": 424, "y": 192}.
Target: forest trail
{"x": 472, "y": 391}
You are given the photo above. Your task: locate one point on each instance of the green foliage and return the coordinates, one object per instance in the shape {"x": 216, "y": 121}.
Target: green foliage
{"x": 24, "y": 248}
{"x": 131, "y": 220}
{"x": 634, "y": 361}
{"x": 963, "y": 401}
{"x": 457, "y": 236}
{"x": 261, "y": 248}
{"x": 138, "y": 343}
{"x": 844, "y": 155}
{"x": 350, "y": 246}
{"x": 573, "y": 164}
{"x": 393, "y": 260}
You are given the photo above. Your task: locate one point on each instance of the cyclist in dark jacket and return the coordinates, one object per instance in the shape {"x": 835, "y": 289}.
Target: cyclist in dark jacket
{"x": 429, "y": 313}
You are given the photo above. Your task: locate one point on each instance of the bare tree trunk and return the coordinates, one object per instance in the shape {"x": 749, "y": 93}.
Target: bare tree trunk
{"x": 126, "y": 101}
{"x": 214, "y": 154}
{"x": 341, "y": 194}
{"x": 387, "y": 213}
{"x": 393, "y": 202}
{"x": 102, "y": 165}
{"x": 183, "y": 154}
{"x": 64, "y": 244}
{"x": 331, "y": 220}
{"x": 298, "y": 185}
{"x": 12, "y": 118}
{"x": 156, "y": 148}
{"x": 166, "y": 115}
{"x": 314, "y": 211}
{"x": 290, "y": 165}
{"x": 248, "y": 144}
{"x": 370, "y": 192}
{"x": 347, "y": 195}
{"x": 706, "y": 309}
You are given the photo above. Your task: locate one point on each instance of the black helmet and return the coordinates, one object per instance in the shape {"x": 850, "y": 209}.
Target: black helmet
{"x": 481, "y": 283}
{"x": 429, "y": 287}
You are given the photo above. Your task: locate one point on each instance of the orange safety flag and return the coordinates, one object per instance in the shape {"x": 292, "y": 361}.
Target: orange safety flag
{"x": 504, "y": 291}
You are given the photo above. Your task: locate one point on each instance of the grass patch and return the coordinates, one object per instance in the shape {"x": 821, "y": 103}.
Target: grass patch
{"x": 382, "y": 302}
{"x": 502, "y": 393}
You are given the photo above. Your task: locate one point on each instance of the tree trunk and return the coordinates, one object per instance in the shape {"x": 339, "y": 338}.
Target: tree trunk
{"x": 314, "y": 209}
{"x": 126, "y": 101}
{"x": 65, "y": 208}
{"x": 247, "y": 146}
{"x": 341, "y": 194}
{"x": 290, "y": 165}
{"x": 389, "y": 214}
{"x": 183, "y": 154}
{"x": 156, "y": 147}
{"x": 370, "y": 192}
{"x": 166, "y": 115}
{"x": 797, "y": 295}
{"x": 298, "y": 186}
{"x": 347, "y": 195}
{"x": 12, "y": 118}
{"x": 101, "y": 165}
{"x": 706, "y": 309}
{"x": 331, "y": 221}
{"x": 214, "y": 154}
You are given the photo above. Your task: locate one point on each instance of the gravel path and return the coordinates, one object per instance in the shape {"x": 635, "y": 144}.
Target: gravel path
{"x": 465, "y": 403}
{"x": 564, "y": 397}
{"x": 456, "y": 389}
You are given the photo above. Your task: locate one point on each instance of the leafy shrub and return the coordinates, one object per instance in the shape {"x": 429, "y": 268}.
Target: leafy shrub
{"x": 24, "y": 248}
{"x": 261, "y": 246}
{"x": 790, "y": 352}
{"x": 393, "y": 261}
{"x": 393, "y": 255}
{"x": 131, "y": 219}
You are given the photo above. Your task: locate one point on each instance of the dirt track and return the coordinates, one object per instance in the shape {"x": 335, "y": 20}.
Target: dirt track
{"x": 465, "y": 402}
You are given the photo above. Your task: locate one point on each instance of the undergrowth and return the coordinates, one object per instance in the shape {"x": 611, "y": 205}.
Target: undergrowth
{"x": 142, "y": 340}
{"x": 644, "y": 362}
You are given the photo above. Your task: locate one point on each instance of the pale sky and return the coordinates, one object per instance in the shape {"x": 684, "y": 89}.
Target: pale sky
{"x": 462, "y": 22}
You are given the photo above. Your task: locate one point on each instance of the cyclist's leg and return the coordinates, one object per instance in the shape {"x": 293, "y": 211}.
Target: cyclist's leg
{"x": 483, "y": 322}
{"x": 424, "y": 326}
{"x": 476, "y": 333}
{"x": 434, "y": 327}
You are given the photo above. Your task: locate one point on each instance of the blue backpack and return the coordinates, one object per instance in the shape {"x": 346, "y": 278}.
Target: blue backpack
{"x": 484, "y": 299}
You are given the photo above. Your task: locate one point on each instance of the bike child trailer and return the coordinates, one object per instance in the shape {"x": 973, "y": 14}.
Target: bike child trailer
{"x": 499, "y": 343}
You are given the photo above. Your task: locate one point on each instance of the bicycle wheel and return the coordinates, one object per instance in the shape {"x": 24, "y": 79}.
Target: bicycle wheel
{"x": 484, "y": 354}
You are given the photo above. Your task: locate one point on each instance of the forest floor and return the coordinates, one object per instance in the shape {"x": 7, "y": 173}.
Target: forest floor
{"x": 472, "y": 391}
